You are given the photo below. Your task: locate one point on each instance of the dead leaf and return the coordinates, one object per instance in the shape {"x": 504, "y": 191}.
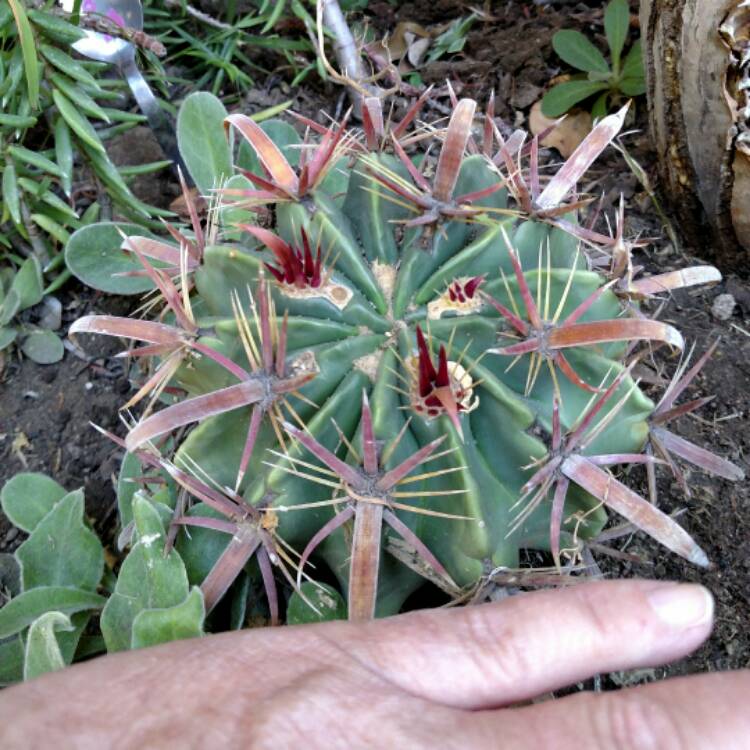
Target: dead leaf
{"x": 410, "y": 43}
{"x": 567, "y": 135}
{"x": 397, "y": 44}
{"x": 417, "y": 49}
{"x": 180, "y": 207}
{"x": 483, "y": 14}
{"x": 17, "y": 447}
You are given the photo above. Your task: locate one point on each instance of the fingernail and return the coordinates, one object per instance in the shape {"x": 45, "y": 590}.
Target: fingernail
{"x": 682, "y": 605}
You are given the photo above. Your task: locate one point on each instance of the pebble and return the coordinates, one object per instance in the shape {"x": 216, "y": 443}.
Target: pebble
{"x": 11, "y": 534}
{"x": 51, "y": 314}
{"x": 723, "y": 307}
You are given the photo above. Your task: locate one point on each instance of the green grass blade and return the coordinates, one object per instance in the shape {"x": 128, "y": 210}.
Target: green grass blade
{"x": 28, "y": 48}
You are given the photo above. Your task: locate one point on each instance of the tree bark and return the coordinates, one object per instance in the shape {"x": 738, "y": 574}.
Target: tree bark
{"x": 697, "y": 55}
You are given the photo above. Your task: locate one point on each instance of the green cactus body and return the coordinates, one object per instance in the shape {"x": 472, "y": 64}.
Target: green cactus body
{"x": 389, "y": 277}
{"x": 407, "y": 319}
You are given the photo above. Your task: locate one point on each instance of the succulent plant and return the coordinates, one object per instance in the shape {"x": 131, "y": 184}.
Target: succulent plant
{"x": 609, "y": 82}
{"x": 395, "y": 366}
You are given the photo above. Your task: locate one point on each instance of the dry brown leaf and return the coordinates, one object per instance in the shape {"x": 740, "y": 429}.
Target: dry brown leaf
{"x": 179, "y": 204}
{"x": 567, "y": 135}
{"x": 17, "y": 447}
{"x": 407, "y": 46}
{"x": 398, "y": 43}
{"x": 418, "y": 47}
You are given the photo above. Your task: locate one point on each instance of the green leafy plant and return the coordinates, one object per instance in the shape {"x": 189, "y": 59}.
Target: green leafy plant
{"x": 20, "y": 290}
{"x": 452, "y": 40}
{"x": 58, "y": 572}
{"x": 410, "y": 370}
{"x": 609, "y": 82}
{"x": 220, "y": 53}
{"x": 49, "y": 101}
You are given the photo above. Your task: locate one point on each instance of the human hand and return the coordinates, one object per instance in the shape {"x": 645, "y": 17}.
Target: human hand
{"x": 430, "y": 679}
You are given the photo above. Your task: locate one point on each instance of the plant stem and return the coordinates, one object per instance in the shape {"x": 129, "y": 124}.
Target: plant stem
{"x": 199, "y": 15}
{"x": 75, "y": 14}
{"x": 353, "y": 74}
{"x": 344, "y": 46}
{"x": 105, "y": 26}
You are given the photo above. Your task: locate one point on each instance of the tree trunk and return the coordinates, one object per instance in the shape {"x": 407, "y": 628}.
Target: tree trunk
{"x": 697, "y": 58}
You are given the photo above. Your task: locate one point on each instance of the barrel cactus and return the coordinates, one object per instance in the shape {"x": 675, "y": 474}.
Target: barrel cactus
{"x": 390, "y": 354}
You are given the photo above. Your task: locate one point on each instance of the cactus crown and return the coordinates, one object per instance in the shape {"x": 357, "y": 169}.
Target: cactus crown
{"x": 396, "y": 364}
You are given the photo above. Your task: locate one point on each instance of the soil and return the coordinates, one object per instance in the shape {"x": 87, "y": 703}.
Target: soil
{"x": 45, "y": 410}
{"x": 718, "y": 512}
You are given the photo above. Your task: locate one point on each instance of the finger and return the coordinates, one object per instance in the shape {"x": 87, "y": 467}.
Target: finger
{"x": 702, "y": 712}
{"x": 494, "y": 654}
